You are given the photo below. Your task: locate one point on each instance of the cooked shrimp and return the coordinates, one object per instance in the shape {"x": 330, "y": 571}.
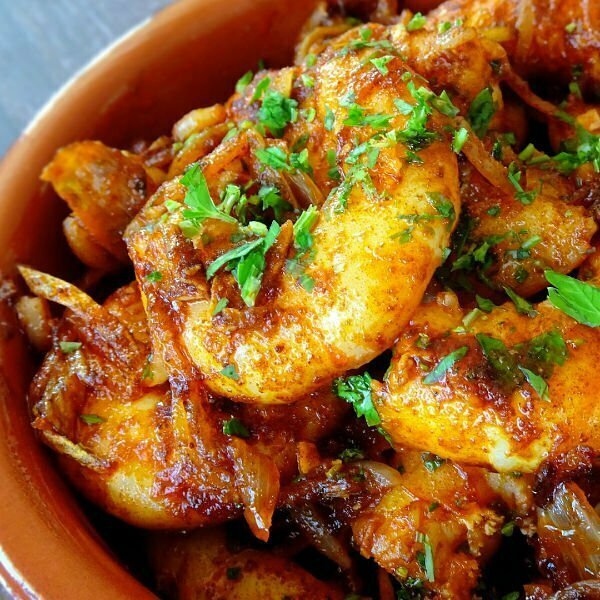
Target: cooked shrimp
{"x": 365, "y": 282}
{"x": 122, "y": 437}
{"x": 104, "y": 188}
{"x": 440, "y": 512}
{"x": 481, "y": 410}
{"x": 203, "y": 566}
{"x": 150, "y": 456}
{"x": 544, "y": 38}
{"x": 524, "y": 239}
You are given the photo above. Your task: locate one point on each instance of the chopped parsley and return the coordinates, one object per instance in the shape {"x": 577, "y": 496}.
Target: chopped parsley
{"x": 235, "y": 427}
{"x": 381, "y": 63}
{"x": 417, "y": 22}
{"x": 432, "y": 462}
{"x": 459, "y": 138}
{"x": 277, "y": 111}
{"x": 366, "y": 41}
{"x": 578, "y": 299}
{"x": 484, "y": 304}
{"x": 356, "y": 390}
{"x": 230, "y": 371}
{"x": 439, "y": 371}
{"x": 278, "y": 159}
{"x": 358, "y": 118}
{"x": 302, "y": 228}
{"x": 329, "y": 121}
{"x": 571, "y": 27}
{"x": 523, "y": 307}
{"x": 514, "y": 176}
{"x": 260, "y": 89}
{"x": 243, "y": 82}
{"x": 247, "y": 262}
{"x": 199, "y": 201}
{"x": 508, "y": 529}
{"x": 426, "y": 560}
{"x": 154, "y": 276}
{"x": 90, "y": 419}
{"x": 271, "y": 198}
{"x": 351, "y": 454}
{"x": 536, "y": 382}
{"x": 481, "y": 111}
{"x": 502, "y": 361}
{"x": 219, "y": 306}
{"x": 68, "y": 347}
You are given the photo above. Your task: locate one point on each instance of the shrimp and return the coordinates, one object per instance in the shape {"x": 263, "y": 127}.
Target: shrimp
{"x": 203, "y": 566}
{"x": 104, "y": 188}
{"x": 544, "y": 39}
{"x": 523, "y": 239}
{"x": 121, "y": 435}
{"x": 487, "y": 407}
{"x": 364, "y": 282}
{"x": 440, "y": 511}
{"x": 148, "y": 448}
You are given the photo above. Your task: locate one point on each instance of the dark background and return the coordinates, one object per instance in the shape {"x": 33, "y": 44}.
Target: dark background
{"x": 44, "y": 42}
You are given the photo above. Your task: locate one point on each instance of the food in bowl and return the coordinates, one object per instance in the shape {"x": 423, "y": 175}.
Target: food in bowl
{"x": 337, "y": 336}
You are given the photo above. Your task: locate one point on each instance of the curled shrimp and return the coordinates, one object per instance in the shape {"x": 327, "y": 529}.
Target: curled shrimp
{"x": 368, "y": 268}
{"x": 489, "y": 407}
{"x": 545, "y": 39}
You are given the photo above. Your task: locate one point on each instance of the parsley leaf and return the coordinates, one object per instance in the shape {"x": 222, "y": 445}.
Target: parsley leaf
{"x": 154, "y": 276}
{"x": 481, "y": 111}
{"x": 537, "y": 383}
{"x": 201, "y": 205}
{"x": 500, "y": 359}
{"x": 92, "y": 419}
{"x": 514, "y": 176}
{"x": 484, "y": 304}
{"x": 302, "y": 227}
{"x": 230, "y": 371}
{"x": 459, "y": 138}
{"x": 381, "y": 63}
{"x": 329, "y": 121}
{"x": 427, "y": 562}
{"x": 417, "y": 22}
{"x": 439, "y": 371}
{"x": 219, "y": 306}
{"x": 432, "y": 462}
{"x": 271, "y": 198}
{"x": 523, "y": 307}
{"x": 578, "y": 299}
{"x": 68, "y": 347}
{"x": 356, "y": 390}
{"x": 247, "y": 263}
{"x": 235, "y": 427}
{"x": 277, "y": 111}
{"x": 243, "y": 82}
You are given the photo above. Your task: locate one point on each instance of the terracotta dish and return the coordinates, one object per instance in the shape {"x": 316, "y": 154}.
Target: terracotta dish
{"x": 188, "y": 55}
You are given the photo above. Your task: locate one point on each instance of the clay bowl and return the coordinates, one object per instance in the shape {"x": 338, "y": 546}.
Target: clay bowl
{"x": 188, "y": 55}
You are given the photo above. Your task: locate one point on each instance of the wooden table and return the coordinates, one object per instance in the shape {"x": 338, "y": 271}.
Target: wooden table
{"x": 44, "y": 42}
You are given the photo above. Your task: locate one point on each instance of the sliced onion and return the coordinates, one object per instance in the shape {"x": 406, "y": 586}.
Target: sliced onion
{"x": 582, "y": 589}
{"x": 257, "y": 479}
{"x": 570, "y": 527}
{"x": 312, "y": 523}
{"x": 384, "y": 475}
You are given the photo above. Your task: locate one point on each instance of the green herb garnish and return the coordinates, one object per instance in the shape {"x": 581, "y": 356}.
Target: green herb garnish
{"x": 481, "y": 111}
{"x": 439, "y": 371}
{"x": 578, "y": 299}
{"x": 235, "y": 427}
{"x": 356, "y": 390}
{"x": 68, "y": 347}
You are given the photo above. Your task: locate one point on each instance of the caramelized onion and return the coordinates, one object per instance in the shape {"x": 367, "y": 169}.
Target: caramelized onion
{"x": 384, "y": 475}
{"x": 257, "y": 480}
{"x": 569, "y": 529}
{"x": 314, "y": 526}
